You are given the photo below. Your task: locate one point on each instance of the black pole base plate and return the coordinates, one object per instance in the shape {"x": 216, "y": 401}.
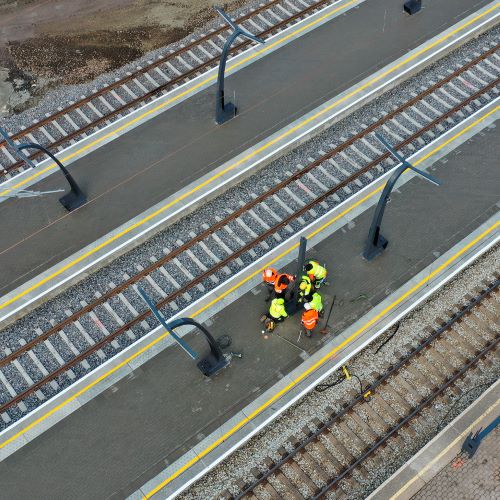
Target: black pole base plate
{"x": 412, "y": 6}
{"x": 72, "y": 200}
{"x": 225, "y": 114}
{"x": 210, "y": 365}
{"x": 372, "y": 250}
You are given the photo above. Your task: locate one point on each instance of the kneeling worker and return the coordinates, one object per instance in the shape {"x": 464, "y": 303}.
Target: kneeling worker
{"x": 305, "y": 288}
{"x": 315, "y": 302}
{"x": 316, "y": 272}
{"x": 277, "y": 313}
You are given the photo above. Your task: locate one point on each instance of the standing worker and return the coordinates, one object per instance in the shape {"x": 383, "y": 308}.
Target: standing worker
{"x": 316, "y": 272}
{"x": 309, "y": 320}
{"x": 269, "y": 276}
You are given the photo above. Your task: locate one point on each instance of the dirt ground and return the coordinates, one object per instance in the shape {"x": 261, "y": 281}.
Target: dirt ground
{"x": 46, "y": 43}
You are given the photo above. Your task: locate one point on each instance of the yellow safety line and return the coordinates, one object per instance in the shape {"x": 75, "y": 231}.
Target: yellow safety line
{"x": 186, "y": 92}
{"x": 320, "y": 362}
{"x": 349, "y": 339}
{"x": 242, "y": 160}
{"x": 444, "y": 451}
{"x": 276, "y": 396}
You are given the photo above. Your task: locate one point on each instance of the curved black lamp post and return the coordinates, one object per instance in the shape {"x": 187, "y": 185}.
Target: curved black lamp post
{"x": 75, "y": 198}
{"x": 223, "y": 111}
{"x": 376, "y": 243}
{"x": 209, "y": 365}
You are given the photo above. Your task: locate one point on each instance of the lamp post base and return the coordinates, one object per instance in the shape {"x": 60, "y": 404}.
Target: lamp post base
{"x": 211, "y": 365}
{"x": 72, "y": 200}
{"x": 225, "y": 113}
{"x": 412, "y": 6}
{"x": 374, "y": 249}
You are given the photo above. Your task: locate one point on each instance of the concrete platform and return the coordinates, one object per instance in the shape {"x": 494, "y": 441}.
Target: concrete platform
{"x": 441, "y": 471}
{"x": 149, "y": 160}
{"x": 165, "y": 410}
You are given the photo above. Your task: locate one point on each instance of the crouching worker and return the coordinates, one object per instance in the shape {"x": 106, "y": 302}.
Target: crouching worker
{"x": 315, "y": 302}
{"x": 309, "y": 320}
{"x": 317, "y": 273}
{"x": 277, "y": 313}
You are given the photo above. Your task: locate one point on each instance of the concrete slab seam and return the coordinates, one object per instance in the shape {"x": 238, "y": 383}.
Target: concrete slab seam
{"x": 319, "y": 378}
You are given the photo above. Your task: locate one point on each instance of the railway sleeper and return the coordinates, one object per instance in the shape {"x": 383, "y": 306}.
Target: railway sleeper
{"x": 284, "y": 484}
{"x": 298, "y": 476}
{"x": 304, "y": 455}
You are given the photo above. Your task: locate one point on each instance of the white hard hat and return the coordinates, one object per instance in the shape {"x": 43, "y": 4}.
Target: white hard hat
{"x": 307, "y": 306}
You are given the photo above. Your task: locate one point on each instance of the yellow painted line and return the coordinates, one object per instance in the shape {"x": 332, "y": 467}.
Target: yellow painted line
{"x": 165, "y": 334}
{"x": 186, "y": 92}
{"x": 346, "y": 341}
{"x": 321, "y": 361}
{"x": 252, "y": 154}
{"x": 444, "y": 451}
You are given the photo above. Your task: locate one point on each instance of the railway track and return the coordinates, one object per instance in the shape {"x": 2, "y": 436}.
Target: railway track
{"x": 92, "y": 112}
{"x": 335, "y": 456}
{"x": 60, "y": 350}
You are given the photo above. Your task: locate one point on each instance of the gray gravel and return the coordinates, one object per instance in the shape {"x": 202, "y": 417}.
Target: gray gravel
{"x": 267, "y": 442}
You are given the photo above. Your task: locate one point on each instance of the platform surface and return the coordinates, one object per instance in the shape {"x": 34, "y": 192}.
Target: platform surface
{"x": 177, "y": 147}
{"x": 127, "y": 435}
{"x": 468, "y": 478}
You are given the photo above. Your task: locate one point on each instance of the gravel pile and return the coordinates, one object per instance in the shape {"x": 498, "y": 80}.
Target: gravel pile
{"x": 315, "y": 404}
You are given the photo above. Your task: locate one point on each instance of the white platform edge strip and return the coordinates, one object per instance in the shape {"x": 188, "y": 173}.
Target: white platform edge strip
{"x": 8, "y": 312}
{"x": 105, "y": 383}
{"x": 342, "y": 360}
{"x": 231, "y": 69}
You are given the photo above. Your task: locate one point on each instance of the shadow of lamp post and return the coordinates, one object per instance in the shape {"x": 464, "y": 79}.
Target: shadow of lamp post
{"x": 226, "y": 111}
{"x": 75, "y": 198}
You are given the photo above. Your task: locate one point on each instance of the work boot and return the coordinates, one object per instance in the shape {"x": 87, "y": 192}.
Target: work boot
{"x": 263, "y": 318}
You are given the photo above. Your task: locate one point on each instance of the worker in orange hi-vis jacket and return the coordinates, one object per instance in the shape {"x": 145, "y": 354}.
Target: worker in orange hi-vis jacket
{"x": 282, "y": 283}
{"x": 309, "y": 320}
{"x": 269, "y": 276}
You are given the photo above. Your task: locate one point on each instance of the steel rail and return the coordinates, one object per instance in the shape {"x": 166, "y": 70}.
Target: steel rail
{"x": 158, "y": 90}
{"x": 393, "y": 369}
{"x": 204, "y": 234}
{"x": 106, "y": 340}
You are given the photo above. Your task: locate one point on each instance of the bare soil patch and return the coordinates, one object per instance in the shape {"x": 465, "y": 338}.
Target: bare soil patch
{"x": 48, "y": 43}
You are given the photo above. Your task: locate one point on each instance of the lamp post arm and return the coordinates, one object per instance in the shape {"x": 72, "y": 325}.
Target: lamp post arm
{"x": 404, "y": 161}
{"x": 31, "y": 145}
{"x": 382, "y": 202}
{"x": 226, "y": 18}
